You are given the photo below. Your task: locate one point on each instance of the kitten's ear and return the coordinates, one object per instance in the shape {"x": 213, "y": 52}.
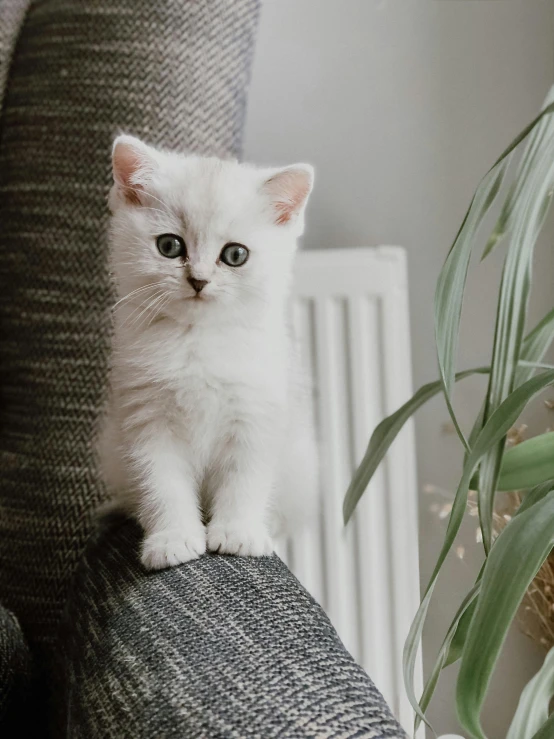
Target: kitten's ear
{"x": 288, "y": 190}
{"x": 133, "y": 163}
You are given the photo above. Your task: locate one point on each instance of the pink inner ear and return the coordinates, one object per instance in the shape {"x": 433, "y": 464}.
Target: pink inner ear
{"x": 127, "y": 163}
{"x": 289, "y": 189}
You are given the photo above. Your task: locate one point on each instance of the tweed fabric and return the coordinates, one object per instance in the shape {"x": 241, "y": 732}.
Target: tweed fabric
{"x": 219, "y": 647}
{"x": 16, "y": 673}
{"x": 172, "y": 71}
{"x": 12, "y": 13}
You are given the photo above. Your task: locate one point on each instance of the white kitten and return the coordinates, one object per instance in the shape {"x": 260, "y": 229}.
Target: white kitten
{"x": 208, "y": 440}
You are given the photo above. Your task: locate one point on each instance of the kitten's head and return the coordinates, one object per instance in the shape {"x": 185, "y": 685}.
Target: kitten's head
{"x": 198, "y": 234}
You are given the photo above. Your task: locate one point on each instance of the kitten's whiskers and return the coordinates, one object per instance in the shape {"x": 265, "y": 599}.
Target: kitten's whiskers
{"x": 161, "y": 307}
{"x": 139, "y": 307}
{"x": 151, "y": 304}
{"x": 136, "y": 292}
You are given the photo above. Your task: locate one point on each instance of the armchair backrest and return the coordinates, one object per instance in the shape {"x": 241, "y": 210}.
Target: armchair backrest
{"x": 170, "y": 71}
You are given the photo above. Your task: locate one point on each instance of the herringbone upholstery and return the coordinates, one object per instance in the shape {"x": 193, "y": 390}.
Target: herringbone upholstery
{"x": 12, "y": 13}
{"x": 171, "y": 71}
{"x": 229, "y": 647}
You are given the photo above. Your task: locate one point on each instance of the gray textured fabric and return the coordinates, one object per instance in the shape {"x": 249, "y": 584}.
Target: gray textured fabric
{"x": 16, "y": 674}
{"x": 172, "y": 71}
{"x": 219, "y": 647}
{"x": 12, "y": 13}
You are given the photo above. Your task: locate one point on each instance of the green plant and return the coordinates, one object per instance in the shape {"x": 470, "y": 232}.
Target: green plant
{"x": 516, "y": 374}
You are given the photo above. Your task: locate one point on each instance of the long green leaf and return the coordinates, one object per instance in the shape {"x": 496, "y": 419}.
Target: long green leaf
{"x": 535, "y": 346}
{"x": 385, "y": 434}
{"x": 455, "y": 629}
{"x": 494, "y": 430}
{"x": 535, "y": 365}
{"x": 528, "y": 464}
{"x": 456, "y": 636}
{"x": 535, "y": 496}
{"x": 535, "y": 140}
{"x": 536, "y": 179}
{"x": 459, "y": 630}
{"x": 452, "y": 280}
{"x": 532, "y": 711}
{"x": 459, "y": 638}
{"x": 547, "y": 730}
{"x": 451, "y": 284}
{"x": 513, "y": 562}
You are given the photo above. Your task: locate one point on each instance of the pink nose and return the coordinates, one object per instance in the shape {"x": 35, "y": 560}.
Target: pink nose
{"x": 198, "y": 285}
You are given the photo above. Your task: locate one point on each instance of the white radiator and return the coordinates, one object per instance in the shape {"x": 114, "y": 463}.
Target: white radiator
{"x": 351, "y": 315}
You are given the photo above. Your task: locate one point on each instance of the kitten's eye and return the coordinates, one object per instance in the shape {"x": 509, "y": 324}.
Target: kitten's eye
{"x": 171, "y": 246}
{"x": 234, "y": 255}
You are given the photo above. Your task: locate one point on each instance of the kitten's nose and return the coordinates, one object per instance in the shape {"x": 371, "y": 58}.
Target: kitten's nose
{"x": 198, "y": 285}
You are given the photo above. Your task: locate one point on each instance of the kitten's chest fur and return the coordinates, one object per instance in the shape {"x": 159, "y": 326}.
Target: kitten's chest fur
{"x": 204, "y": 379}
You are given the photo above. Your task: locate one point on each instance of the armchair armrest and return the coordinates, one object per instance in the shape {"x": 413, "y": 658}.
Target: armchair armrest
{"x": 218, "y": 647}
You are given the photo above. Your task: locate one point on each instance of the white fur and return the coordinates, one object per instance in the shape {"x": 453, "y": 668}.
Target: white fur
{"x": 208, "y": 440}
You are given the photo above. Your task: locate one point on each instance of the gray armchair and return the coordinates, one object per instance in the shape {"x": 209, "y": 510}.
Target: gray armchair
{"x": 90, "y": 644}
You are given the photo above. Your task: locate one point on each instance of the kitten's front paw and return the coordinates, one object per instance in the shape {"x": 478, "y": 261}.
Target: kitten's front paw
{"x": 245, "y": 540}
{"x": 170, "y": 548}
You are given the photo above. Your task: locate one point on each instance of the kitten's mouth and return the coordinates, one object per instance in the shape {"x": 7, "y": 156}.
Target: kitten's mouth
{"x": 197, "y": 297}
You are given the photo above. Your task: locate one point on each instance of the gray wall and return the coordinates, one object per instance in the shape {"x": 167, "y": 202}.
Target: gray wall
{"x": 402, "y": 105}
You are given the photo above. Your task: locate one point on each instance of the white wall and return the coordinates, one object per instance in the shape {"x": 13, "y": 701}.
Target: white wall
{"x": 402, "y": 105}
